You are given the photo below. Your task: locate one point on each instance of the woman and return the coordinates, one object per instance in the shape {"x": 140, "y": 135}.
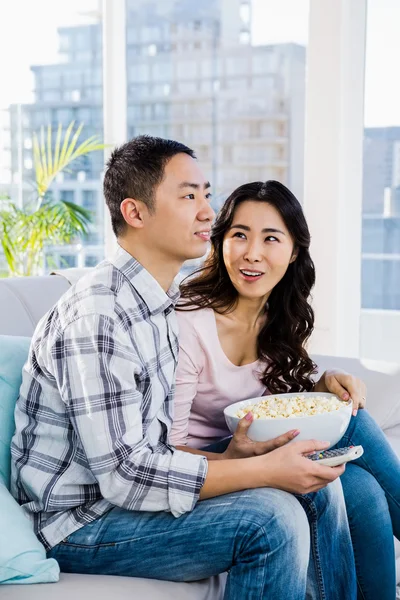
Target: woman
{"x": 244, "y": 320}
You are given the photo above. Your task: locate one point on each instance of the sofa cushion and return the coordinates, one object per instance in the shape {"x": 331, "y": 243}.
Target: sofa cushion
{"x": 383, "y": 397}
{"x": 24, "y": 301}
{"x": 22, "y": 556}
{"x": 13, "y": 355}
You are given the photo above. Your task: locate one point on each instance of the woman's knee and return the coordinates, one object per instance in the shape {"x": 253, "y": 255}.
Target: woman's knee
{"x": 327, "y": 501}
{"x": 362, "y": 429}
{"x": 364, "y": 497}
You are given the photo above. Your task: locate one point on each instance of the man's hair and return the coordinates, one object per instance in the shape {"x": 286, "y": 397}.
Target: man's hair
{"x": 134, "y": 170}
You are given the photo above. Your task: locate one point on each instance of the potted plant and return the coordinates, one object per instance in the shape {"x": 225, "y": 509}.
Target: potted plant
{"x": 24, "y": 231}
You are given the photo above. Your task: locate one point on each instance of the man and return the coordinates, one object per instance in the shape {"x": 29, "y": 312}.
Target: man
{"x": 92, "y": 465}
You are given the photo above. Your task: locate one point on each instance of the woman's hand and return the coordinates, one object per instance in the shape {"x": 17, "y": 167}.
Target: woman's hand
{"x": 345, "y": 386}
{"x": 241, "y": 446}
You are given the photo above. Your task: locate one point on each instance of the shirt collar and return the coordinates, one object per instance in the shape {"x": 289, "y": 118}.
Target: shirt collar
{"x": 156, "y": 299}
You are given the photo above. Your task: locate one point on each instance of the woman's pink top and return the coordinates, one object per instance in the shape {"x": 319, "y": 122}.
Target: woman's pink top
{"x": 206, "y": 382}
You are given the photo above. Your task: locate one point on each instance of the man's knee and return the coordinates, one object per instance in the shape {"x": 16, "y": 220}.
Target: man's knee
{"x": 330, "y": 499}
{"x": 279, "y": 517}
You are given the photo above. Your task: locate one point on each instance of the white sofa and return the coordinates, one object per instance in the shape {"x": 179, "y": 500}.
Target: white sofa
{"x": 22, "y": 303}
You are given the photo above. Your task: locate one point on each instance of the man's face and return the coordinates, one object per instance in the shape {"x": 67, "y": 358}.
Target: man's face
{"x": 179, "y": 227}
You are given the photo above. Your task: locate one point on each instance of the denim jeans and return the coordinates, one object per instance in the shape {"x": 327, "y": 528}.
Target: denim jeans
{"x": 261, "y": 537}
{"x": 371, "y": 487}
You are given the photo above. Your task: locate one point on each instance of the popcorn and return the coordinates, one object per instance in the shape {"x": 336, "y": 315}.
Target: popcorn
{"x": 294, "y": 406}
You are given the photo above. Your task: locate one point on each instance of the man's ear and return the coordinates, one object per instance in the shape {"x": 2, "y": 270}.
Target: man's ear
{"x": 133, "y": 212}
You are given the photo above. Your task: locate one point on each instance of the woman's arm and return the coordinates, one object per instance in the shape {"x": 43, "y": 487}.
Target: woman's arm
{"x": 190, "y": 365}
{"x": 344, "y": 385}
{"x": 208, "y": 455}
{"x": 187, "y": 376}
{"x": 185, "y": 391}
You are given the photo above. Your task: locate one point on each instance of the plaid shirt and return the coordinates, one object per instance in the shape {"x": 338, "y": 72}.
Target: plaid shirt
{"x": 96, "y": 406}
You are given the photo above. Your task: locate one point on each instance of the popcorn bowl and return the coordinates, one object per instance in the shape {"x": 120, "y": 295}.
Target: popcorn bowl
{"x": 327, "y": 426}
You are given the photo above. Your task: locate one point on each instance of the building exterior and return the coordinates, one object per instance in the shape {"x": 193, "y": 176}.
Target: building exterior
{"x": 192, "y": 75}
{"x": 381, "y": 219}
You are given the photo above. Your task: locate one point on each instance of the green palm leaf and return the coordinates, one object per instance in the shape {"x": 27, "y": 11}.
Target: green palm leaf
{"x": 48, "y": 162}
{"x": 24, "y": 233}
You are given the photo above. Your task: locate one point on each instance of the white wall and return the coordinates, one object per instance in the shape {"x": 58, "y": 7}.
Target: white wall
{"x": 333, "y": 169}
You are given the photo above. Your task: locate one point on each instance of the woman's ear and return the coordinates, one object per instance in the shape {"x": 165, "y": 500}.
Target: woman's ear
{"x": 294, "y": 256}
{"x": 132, "y": 211}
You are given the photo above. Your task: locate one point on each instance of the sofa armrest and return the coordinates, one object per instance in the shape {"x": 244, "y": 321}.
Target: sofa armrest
{"x": 383, "y": 387}
{"x": 72, "y": 275}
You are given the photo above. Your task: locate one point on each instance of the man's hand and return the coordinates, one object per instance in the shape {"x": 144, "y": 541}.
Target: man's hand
{"x": 345, "y": 386}
{"x": 241, "y": 446}
{"x": 288, "y": 469}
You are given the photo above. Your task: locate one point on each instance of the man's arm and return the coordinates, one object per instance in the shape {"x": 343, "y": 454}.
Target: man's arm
{"x": 95, "y": 368}
{"x": 95, "y": 365}
{"x": 285, "y": 468}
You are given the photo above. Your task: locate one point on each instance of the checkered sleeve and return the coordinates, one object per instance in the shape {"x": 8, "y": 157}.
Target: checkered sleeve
{"x": 96, "y": 365}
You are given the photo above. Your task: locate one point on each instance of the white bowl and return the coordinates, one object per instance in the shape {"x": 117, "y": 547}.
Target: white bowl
{"x": 328, "y": 427}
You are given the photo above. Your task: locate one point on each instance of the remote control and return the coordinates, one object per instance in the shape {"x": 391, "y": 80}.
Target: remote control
{"x": 332, "y": 458}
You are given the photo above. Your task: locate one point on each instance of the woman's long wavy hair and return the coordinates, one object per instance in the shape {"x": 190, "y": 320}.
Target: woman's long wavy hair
{"x": 290, "y": 318}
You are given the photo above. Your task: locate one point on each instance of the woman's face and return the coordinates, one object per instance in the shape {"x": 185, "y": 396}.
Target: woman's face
{"x": 257, "y": 249}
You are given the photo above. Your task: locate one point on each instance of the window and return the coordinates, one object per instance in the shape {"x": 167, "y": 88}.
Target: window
{"x": 139, "y": 72}
{"x": 381, "y": 185}
{"x": 264, "y": 83}
{"x": 205, "y": 67}
{"x": 67, "y": 261}
{"x": 89, "y": 200}
{"x": 84, "y": 56}
{"x": 380, "y": 290}
{"x": 91, "y": 261}
{"x": 239, "y": 83}
{"x": 245, "y": 12}
{"x": 150, "y": 34}
{"x": 186, "y": 69}
{"x": 64, "y": 43}
{"x": 97, "y": 77}
{"x": 64, "y": 116}
{"x": 160, "y": 110}
{"x": 187, "y": 87}
{"x": 133, "y": 113}
{"x": 49, "y": 78}
{"x": 244, "y": 37}
{"x": 85, "y": 115}
{"x": 75, "y": 95}
{"x": 162, "y": 71}
{"x": 50, "y": 96}
{"x": 235, "y": 65}
{"x": 67, "y": 196}
{"x": 53, "y": 77}
{"x": 73, "y": 77}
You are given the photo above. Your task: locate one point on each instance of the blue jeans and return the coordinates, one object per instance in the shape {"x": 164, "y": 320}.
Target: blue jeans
{"x": 261, "y": 537}
{"x": 371, "y": 487}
